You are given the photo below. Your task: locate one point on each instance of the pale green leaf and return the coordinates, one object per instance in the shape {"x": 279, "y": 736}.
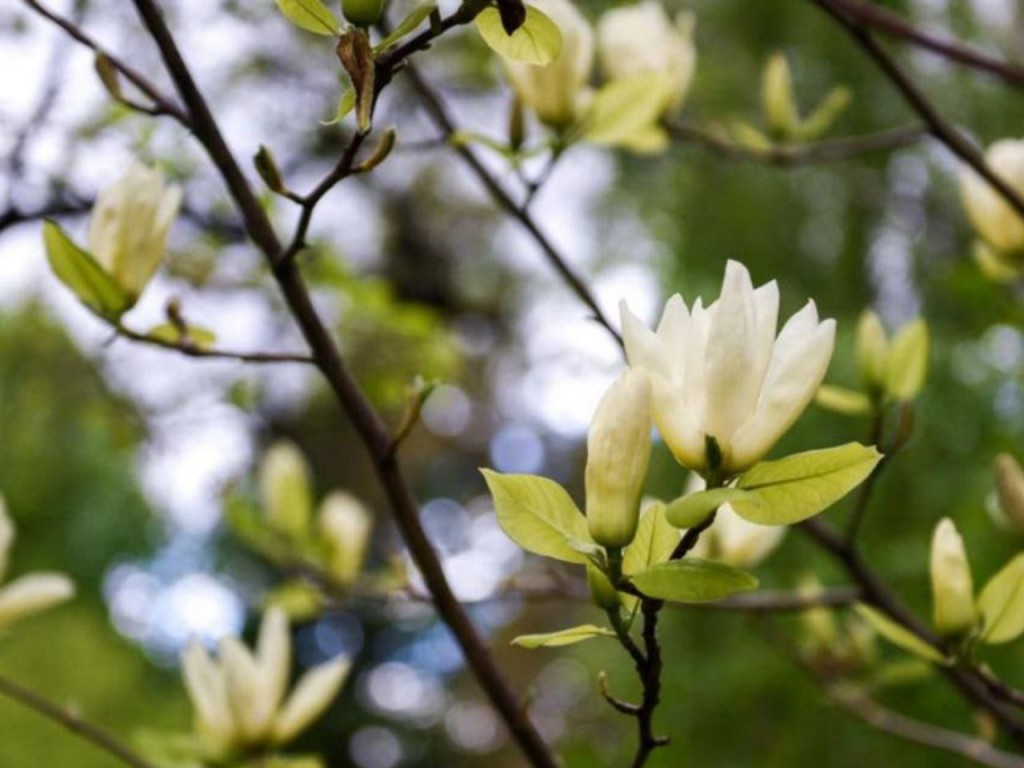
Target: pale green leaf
{"x": 802, "y": 485}
{"x": 624, "y": 111}
{"x": 538, "y": 41}
{"x": 346, "y": 104}
{"x": 826, "y": 113}
{"x": 78, "y": 270}
{"x": 203, "y": 338}
{"x": 899, "y": 635}
{"x": 654, "y": 543}
{"x": 690, "y": 510}
{"x": 908, "y": 362}
{"x": 414, "y": 18}
{"x": 569, "y": 636}
{"x": 692, "y": 581}
{"x": 1001, "y": 604}
{"x": 538, "y": 515}
{"x": 310, "y": 15}
{"x": 848, "y": 402}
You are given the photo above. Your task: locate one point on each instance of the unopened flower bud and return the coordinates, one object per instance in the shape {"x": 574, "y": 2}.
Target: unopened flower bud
{"x": 362, "y": 13}
{"x": 618, "y": 453}
{"x": 952, "y": 586}
{"x": 345, "y": 525}
{"x": 285, "y": 490}
{"x": 1010, "y": 486}
{"x": 872, "y": 346}
{"x": 779, "y": 105}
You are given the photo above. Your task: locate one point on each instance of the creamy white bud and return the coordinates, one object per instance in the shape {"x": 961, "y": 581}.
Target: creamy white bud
{"x": 345, "y": 524}
{"x": 995, "y": 222}
{"x": 129, "y": 225}
{"x": 640, "y": 38}
{"x": 618, "y": 454}
{"x": 312, "y": 695}
{"x": 720, "y": 372}
{"x": 872, "y": 347}
{"x": 557, "y": 92}
{"x": 33, "y": 593}
{"x": 952, "y": 585}
{"x": 285, "y": 491}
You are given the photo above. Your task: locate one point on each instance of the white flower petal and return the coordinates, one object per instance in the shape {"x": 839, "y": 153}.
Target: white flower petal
{"x": 312, "y": 695}
{"x": 249, "y": 707}
{"x": 274, "y": 655}
{"x": 33, "y": 593}
{"x": 207, "y": 691}
{"x": 766, "y": 300}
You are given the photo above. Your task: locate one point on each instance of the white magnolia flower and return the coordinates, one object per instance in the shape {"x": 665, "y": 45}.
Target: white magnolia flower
{"x": 731, "y": 539}
{"x": 952, "y": 585}
{"x": 1000, "y": 228}
{"x": 642, "y": 38}
{"x": 345, "y": 524}
{"x": 618, "y": 453}
{"x": 129, "y": 225}
{"x": 556, "y": 92}
{"x": 31, "y": 593}
{"x": 720, "y": 372}
{"x": 239, "y": 697}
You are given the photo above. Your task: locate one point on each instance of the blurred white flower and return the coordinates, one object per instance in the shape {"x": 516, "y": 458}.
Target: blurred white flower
{"x": 721, "y": 373}
{"x": 129, "y": 225}
{"x": 31, "y": 593}
{"x": 618, "y": 453}
{"x": 345, "y": 525}
{"x": 239, "y": 697}
{"x": 999, "y": 227}
{"x": 952, "y": 585}
{"x": 557, "y": 92}
{"x": 642, "y": 38}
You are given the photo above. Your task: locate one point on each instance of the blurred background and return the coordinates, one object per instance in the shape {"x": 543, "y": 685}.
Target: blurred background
{"x": 116, "y": 460}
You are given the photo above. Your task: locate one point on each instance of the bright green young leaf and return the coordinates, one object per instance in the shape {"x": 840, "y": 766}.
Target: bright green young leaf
{"x": 346, "y": 104}
{"x": 900, "y": 672}
{"x": 802, "y": 485}
{"x": 626, "y": 109}
{"x": 654, "y": 542}
{"x": 1001, "y": 604}
{"x": 826, "y": 113}
{"x": 538, "y": 515}
{"x": 908, "y": 362}
{"x": 899, "y": 635}
{"x": 569, "y": 636}
{"x": 692, "y": 581}
{"x": 203, "y": 338}
{"x": 848, "y": 402}
{"x": 538, "y": 41}
{"x": 310, "y": 15}
{"x": 688, "y": 511}
{"x": 78, "y": 270}
{"x": 414, "y": 18}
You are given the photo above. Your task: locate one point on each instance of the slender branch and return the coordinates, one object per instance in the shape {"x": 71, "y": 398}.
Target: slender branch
{"x": 439, "y": 113}
{"x": 73, "y": 723}
{"x": 826, "y": 151}
{"x": 367, "y": 422}
{"x": 161, "y": 103}
{"x": 192, "y": 350}
{"x": 920, "y": 103}
{"x": 866, "y": 490}
{"x": 890, "y": 23}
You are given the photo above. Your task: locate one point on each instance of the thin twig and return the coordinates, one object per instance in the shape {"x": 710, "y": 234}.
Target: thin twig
{"x": 890, "y": 23}
{"x": 73, "y": 722}
{"x": 367, "y": 422}
{"x": 191, "y": 349}
{"x": 826, "y": 151}
{"x": 921, "y": 104}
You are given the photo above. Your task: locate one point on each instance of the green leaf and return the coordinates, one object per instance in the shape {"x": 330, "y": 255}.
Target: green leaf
{"x": 908, "y": 362}
{"x": 899, "y": 635}
{"x": 538, "y": 41}
{"x": 1001, "y": 604}
{"x": 538, "y": 515}
{"x": 826, "y": 113}
{"x": 690, "y": 510}
{"x": 78, "y": 270}
{"x": 310, "y": 15}
{"x": 203, "y": 338}
{"x": 569, "y": 636}
{"x": 346, "y": 104}
{"x": 692, "y": 581}
{"x": 794, "y": 488}
{"x": 624, "y": 110}
{"x": 414, "y": 18}
{"x": 654, "y": 543}
{"x": 848, "y": 402}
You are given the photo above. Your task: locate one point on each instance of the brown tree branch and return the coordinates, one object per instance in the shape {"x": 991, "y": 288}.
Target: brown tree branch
{"x": 73, "y": 723}
{"x": 367, "y": 422}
